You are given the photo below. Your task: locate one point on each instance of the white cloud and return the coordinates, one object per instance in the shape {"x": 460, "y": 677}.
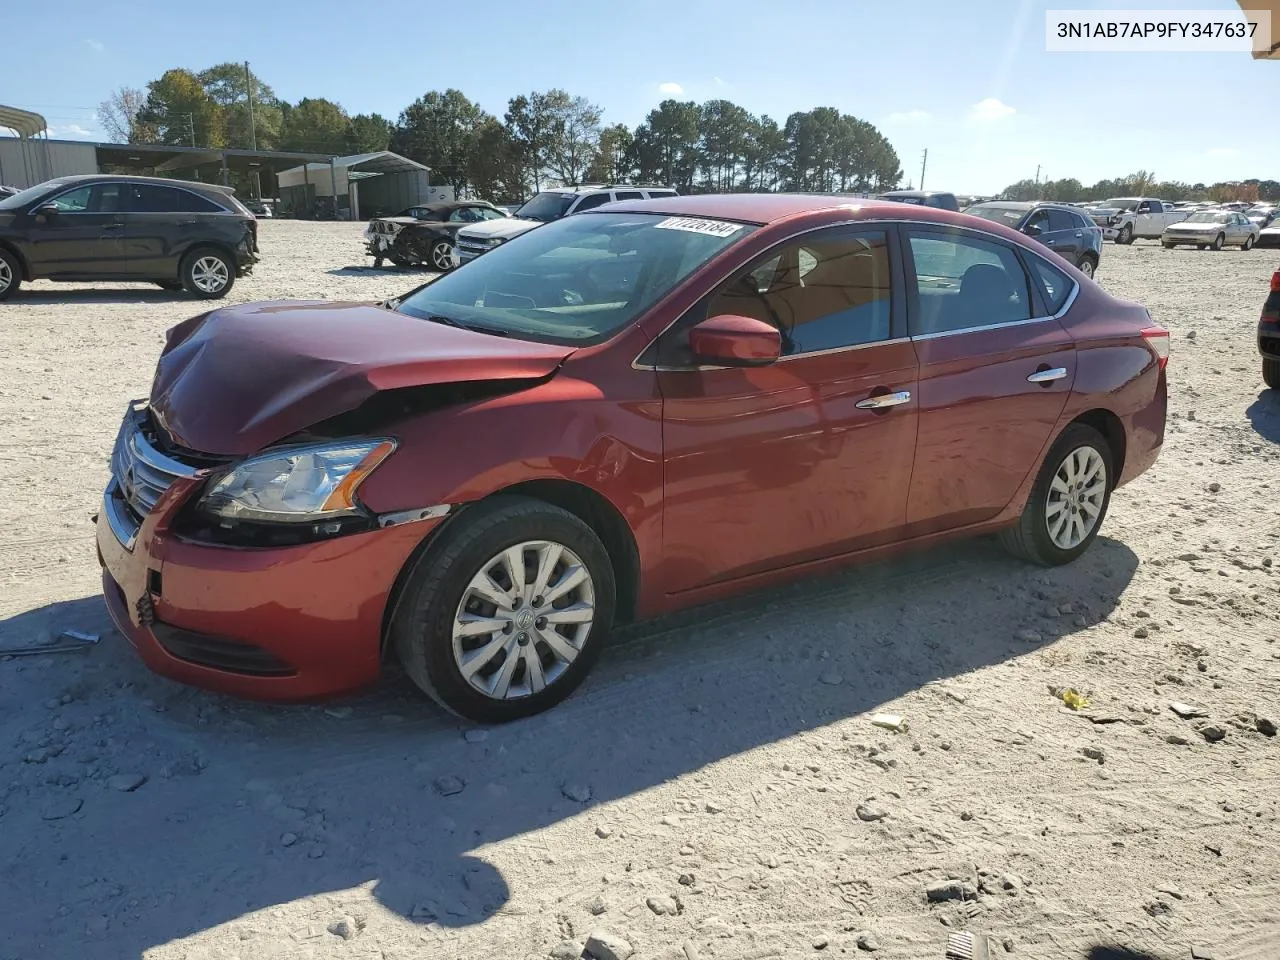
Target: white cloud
{"x": 1224, "y": 153}
{"x": 909, "y": 116}
{"x": 671, "y": 87}
{"x": 96, "y": 46}
{"x": 719, "y": 82}
{"x": 990, "y": 110}
{"x": 71, "y": 131}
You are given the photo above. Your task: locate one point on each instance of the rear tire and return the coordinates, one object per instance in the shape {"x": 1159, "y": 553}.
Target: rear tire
{"x": 208, "y": 274}
{"x": 441, "y": 594}
{"x": 1068, "y": 501}
{"x": 1271, "y": 373}
{"x": 1218, "y": 241}
{"x": 10, "y": 274}
{"x": 1088, "y": 266}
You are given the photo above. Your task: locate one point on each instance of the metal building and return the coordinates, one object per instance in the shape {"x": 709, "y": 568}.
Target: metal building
{"x": 365, "y": 185}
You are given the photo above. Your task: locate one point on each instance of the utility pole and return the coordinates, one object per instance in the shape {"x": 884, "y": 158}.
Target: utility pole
{"x": 191, "y": 128}
{"x": 923, "y": 162}
{"x": 253, "y": 135}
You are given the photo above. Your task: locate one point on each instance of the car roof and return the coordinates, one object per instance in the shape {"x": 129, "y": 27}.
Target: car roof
{"x": 766, "y": 208}
{"x": 916, "y": 193}
{"x": 125, "y": 178}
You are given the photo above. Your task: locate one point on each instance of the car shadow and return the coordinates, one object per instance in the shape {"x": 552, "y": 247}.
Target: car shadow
{"x": 364, "y": 271}
{"x": 387, "y": 792}
{"x": 140, "y": 294}
{"x": 1264, "y": 414}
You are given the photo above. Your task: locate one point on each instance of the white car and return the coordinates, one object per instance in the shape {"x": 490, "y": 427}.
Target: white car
{"x": 1125, "y": 219}
{"x": 547, "y": 206}
{"x": 1213, "y": 229}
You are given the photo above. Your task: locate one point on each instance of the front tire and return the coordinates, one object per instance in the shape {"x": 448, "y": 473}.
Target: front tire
{"x": 503, "y": 617}
{"x": 1068, "y": 502}
{"x": 1248, "y": 243}
{"x": 442, "y": 256}
{"x": 1125, "y": 237}
{"x": 1218, "y": 241}
{"x": 10, "y": 274}
{"x": 1271, "y": 373}
{"x": 208, "y": 274}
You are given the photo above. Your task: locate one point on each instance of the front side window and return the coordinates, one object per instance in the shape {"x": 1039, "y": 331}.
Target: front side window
{"x": 91, "y": 198}
{"x": 821, "y": 293}
{"x": 1061, "y": 220}
{"x": 576, "y": 281}
{"x": 963, "y": 281}
{"x": 465, "y": 215}
{"x": 488, "y": 213}
{"x": 1038, "y": 222}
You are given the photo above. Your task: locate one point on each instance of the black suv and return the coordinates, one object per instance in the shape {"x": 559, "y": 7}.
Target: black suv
{"x": 1066, "y": 231}
{"x": 180, "y": 235}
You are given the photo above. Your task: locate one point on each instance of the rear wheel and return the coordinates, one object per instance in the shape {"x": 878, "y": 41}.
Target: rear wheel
{"x": 1271, "y": 373}
{"x": 208, "y": 274}
{"x": 10, "y": 274}
{"x": 1218, "y": 241}
{"x": 504, "y": 616}
{"x": 1068, "y": 502}
{"x": 1087, "y": 266}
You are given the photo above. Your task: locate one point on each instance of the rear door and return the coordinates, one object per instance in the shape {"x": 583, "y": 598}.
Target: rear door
{"x": 1068, "y": 238}
{"x": 996, "y": 368}
{"x": 154, "y": 224}
{"x": 85, "y": 238}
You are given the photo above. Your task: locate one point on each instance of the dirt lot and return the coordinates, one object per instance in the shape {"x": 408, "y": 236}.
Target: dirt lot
{"x": 716, "y": 789}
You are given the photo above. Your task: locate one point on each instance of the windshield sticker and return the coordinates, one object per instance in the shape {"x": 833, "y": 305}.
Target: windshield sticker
{"x": 712, "y": 228}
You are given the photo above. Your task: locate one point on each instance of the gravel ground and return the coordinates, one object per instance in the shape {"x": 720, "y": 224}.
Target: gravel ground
{"x": 717, "y": 789}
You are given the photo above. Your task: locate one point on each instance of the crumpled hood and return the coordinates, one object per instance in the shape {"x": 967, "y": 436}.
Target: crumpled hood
{"x": 240, "y": 378}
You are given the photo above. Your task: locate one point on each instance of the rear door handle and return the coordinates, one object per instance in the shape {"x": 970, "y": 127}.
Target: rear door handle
{"x": 1047, "y": 376}
{"x": 1079, "y": 234}
{"x": 884, "y": 400}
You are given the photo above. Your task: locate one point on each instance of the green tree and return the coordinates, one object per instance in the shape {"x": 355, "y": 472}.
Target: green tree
{"x": 315, "y": 126}
{"x": 369, "y": 133}
{"x": 495, "y": 166}
{"x": 666, "y": 144}
{"x": 574, "y": 136}
{"x": 182, "y": 112}
{"x": 724, "y": 129}
{"x": 227, "y": 85}
{"x": 763, "y": 155}
{"x": 439, "y": 129}
{"x": 613, "y": 162}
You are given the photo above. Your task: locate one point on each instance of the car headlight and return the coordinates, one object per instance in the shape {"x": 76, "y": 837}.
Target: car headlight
{"x": 298, "y": 484}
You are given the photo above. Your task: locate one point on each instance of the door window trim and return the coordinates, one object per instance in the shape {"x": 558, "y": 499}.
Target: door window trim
{"x": 1038, "y": 304}
{"x": 898, "y": 228}
{"x": 897, "y": 293}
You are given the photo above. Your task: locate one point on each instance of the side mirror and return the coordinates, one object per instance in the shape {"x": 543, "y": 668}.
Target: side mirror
{"x": 733, "y": 341}
{"x": 45, "y": 210}
{"x": 1032, "y": 230}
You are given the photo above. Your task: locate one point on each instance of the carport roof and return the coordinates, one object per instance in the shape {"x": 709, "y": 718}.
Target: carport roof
{"x": 159, "y": 156}
{"x": 23, "y": 122}
{"x": 372, "y": 164}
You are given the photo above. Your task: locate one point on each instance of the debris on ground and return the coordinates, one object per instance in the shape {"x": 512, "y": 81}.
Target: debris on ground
{"x": 889, "y": 721}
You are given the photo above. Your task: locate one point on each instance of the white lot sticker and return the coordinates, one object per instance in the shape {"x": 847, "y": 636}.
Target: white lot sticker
{"x": 713, "y": 228}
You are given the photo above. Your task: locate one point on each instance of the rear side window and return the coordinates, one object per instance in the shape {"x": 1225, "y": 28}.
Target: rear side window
{"x": 147, "y": 198}
{"x": 592, "y": 200}
{"x": 963, "y": 282}
{"x": 194, "y": 203}
{"x": 654, "y": 194}
{"x": 628, "y": 195}
{"x": 1055, "y": 284}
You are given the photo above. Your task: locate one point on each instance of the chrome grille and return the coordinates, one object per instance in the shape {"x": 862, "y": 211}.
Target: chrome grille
{"x": 140, "y": 475}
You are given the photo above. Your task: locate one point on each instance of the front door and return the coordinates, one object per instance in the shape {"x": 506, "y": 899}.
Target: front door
{"x": 809, "y": 457}
{"x": 995, "y": 372}
{"x": 85, "y": 238}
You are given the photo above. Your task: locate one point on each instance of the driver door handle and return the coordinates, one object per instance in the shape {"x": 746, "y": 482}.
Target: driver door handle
{"x": 1047, "y": 376}
{"x": 884, "y": 400}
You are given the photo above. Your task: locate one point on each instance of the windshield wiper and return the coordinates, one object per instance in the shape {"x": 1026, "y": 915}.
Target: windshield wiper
{"x": 473, "y": 327}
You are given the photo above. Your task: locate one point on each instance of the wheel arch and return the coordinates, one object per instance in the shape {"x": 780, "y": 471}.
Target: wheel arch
{"x": 1112, "y": 429}
{"x": 12, "y": 250}
{"x": 220, "y": 246}
{"x": 586, "y": 504}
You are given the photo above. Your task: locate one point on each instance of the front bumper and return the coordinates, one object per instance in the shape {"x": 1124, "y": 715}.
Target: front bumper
{"x": 1188, "y": 238}
{"x": 289, "y": 623}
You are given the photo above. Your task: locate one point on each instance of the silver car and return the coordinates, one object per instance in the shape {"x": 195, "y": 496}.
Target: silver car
{"x": 1214, "y": 229}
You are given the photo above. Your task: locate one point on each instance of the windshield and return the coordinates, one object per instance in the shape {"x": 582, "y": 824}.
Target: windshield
{"x": 1208, "y": 216}
{"x": 546, "y": 207}
{"x": 997, "y": 212}
{"x": 1121, "y": 203}
{"x": 28, "y": 195}
{"x": 576, "y": 281}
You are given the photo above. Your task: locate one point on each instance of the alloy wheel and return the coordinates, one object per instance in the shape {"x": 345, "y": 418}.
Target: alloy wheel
{"x": 209, "y": 274}
{"x": 442, "y": 256}
{"x": 1086, "y": 267}
{"x": 523, "y": 619}
{"x": 1076, "y": 497}
{"x": 6, "y": 275}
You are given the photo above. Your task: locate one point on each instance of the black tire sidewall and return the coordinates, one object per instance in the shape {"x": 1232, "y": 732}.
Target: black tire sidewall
{"x": 1218, "y": 242}
{"x": 1073, "y": 438}
{"x": 15, "y": 270}
{"x": 422, "y": 628}
{"x": 1271, "y": 373}
{"x": 188, "y": 265}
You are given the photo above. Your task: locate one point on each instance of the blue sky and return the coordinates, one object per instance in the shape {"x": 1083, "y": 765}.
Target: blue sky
{"x": 972, "y": 82}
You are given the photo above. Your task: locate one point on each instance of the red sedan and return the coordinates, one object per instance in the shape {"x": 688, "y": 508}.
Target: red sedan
{"x": 647, "y": 406}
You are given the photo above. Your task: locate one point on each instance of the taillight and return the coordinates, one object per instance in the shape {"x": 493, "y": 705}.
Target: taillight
{"x": 1158, "y": 340}
{"x": 1275, "y": 282}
